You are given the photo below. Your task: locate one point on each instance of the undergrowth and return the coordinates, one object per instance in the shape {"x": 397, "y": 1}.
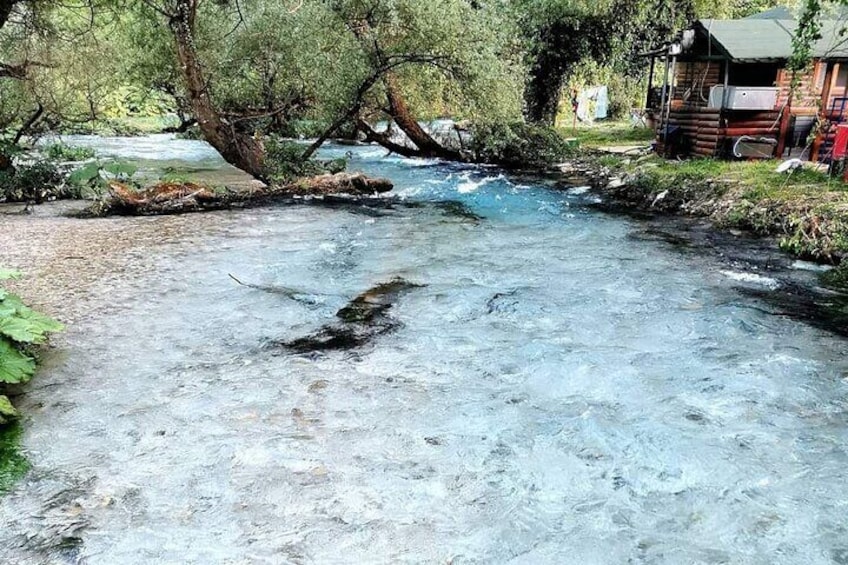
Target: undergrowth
{"x": 519, "y": 145}
{"x": 806, "y": 209}
{"x": 22, "y": 329}
{"x": 284, "y": 162}
{"x": 13, "y": 464}
{"x": 608, "y": 134}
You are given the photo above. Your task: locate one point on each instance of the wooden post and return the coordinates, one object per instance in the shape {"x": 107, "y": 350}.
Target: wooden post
{"x": 664, "y": 97}
{"x": 650, "y": 82}
{"x": 829, "y": 82}
{"x": 784, "y": 120}
{"x": 670, "y": 98}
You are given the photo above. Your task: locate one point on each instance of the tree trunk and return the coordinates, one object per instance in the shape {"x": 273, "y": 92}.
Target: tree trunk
{"x": 402, "y": 116}
{"x": 543, "y": 91}
{"x": 240, "y": 150}
{"x": 386, "y": 141}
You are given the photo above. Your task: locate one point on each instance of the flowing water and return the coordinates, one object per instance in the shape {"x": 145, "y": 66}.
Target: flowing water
{"x": 561, "y": 388}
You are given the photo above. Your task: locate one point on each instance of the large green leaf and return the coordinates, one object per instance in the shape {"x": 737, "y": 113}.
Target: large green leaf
{"x": 85, "y": 174}
{"x": 21, "y": 330}
{"x": 119, "y": 169}
{"x": 25, "y": 325}
{"x": 7, "y": 274}
{"x": 42, "y": 323}
{"x": 15, "y": 367}
{"x": 8, "y": 413}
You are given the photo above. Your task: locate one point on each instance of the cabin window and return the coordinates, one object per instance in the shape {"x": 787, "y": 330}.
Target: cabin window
{"x": 821, "y": 73}
{"x": 753, "y": 74}
{"x": 842, "y": 77}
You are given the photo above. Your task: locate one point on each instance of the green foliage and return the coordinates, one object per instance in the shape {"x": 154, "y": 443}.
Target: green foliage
{"x": 21, "y": 329}
{"x": 62, "y": 152}
{"x": 37, "y": 181}
{"x": 609, "y": 133}
{"x": 92, "y": 180}
{"x": 13, "y": 465}
{"x": 8, "y": 413}
{"x": 519, "y": 145}
{"x": 837, "y": 278}
{"x": 285, "y": 164}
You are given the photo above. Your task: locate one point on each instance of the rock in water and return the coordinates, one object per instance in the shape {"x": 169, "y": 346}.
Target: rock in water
{"x": 364, "y": 318}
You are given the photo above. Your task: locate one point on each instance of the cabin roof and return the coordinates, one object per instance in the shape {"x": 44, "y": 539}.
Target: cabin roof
{"x": 766, "y": 39}
{"x": 785, "y": 13}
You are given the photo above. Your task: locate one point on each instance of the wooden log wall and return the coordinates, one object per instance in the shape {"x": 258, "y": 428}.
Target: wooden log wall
{"x": 708, "y": 132}
{"x": 808, "y": 95}
{"x": 693, "y": 82}
{"x": 699, "y": 130}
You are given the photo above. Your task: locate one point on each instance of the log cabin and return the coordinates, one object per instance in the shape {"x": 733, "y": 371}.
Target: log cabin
{"x": 726, "y": 90}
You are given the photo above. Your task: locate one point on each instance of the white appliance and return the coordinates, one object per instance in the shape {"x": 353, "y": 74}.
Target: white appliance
{"x": 744, "y": 97}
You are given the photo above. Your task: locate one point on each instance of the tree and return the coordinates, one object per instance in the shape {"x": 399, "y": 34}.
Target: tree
{"x": 559, "y": 35}
{"x": 425, "y": 58}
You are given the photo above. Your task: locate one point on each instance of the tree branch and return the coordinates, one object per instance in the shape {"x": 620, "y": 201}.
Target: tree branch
{"x": 29, "y": 123}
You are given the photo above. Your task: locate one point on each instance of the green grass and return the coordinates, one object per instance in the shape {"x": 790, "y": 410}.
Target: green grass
{"x": 608, "y": 134}
{"x": 13, "y": 465}
{"x": 807, "y": 209}
{"x": 760, "y": 178}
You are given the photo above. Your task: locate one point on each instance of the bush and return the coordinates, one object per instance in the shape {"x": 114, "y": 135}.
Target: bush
{"x": 284, "y": 162}
{"x": 21, "y": 329}
{"x": 519, "y": 145}
{"x": 33, "y": 182}
{"x": 62, "y": 152}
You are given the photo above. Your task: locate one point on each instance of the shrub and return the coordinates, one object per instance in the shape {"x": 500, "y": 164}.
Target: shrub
{"x": 837, "y": 278}
{"x": 518, "y": 145}
{"x": 62, "y": 152}
{"x": 92, "y": 180}
{"x": 284, "y": 162}
{"x": 21, "y": 330}
{"x": 37, "y": 181}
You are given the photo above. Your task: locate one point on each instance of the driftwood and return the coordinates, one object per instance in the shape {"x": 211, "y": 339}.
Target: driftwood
{"x": 365, "y": 318}
{"x": 181, "y": 198}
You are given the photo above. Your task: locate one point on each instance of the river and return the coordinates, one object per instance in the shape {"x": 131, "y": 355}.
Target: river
{"x": 560, "y": 388}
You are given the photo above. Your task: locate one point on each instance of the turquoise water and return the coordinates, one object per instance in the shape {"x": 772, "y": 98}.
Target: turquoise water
{"x": 560, "y": 390}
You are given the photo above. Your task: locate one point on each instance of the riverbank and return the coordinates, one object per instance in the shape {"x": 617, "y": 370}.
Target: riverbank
{"x": 805, "y": 210}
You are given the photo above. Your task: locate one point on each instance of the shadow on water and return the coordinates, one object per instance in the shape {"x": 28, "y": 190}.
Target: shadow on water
{"x": 797, "y": 294}
{"x": 377, "y": 207}
{"x": 819, "y": 308}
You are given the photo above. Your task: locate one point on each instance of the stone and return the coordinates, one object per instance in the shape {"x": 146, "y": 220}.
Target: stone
{"x": 616, "y": 182}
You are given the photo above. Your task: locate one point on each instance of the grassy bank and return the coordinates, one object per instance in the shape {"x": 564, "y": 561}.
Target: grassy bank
{"x": 806, "y": 209}
{"x": 603, "y": 134}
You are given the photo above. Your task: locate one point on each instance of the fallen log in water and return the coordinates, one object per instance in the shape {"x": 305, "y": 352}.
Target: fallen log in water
{"x": 181, "y": 198}
{"x": 363, "y": 319}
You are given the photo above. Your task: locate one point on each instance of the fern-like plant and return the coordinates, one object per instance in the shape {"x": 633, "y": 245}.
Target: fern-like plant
{"x": 21, "y": 328}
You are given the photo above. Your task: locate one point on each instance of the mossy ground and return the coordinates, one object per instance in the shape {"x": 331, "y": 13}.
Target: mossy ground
{"x": 13, "y": 464}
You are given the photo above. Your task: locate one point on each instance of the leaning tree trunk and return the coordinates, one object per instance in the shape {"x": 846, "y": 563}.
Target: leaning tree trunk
{"x": 240, "y": 150}
{"x": 402, "y": 116}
